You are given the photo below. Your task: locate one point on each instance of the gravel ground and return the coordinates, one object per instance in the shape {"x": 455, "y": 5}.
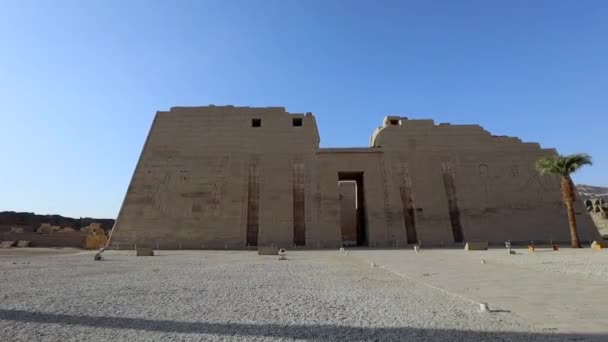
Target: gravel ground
{"x": 583, "y": 263}
{"x": 227, "y": 296}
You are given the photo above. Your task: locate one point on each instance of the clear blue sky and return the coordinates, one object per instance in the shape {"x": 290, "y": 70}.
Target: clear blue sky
{"x": 80, "y": 81}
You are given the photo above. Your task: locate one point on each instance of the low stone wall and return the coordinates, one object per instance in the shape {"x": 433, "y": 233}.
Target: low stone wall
{"x": 76, "y": 240}
{"x": 8, "y": 228}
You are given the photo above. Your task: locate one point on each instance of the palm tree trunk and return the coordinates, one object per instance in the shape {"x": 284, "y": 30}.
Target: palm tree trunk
{"x": 568, "y": 197}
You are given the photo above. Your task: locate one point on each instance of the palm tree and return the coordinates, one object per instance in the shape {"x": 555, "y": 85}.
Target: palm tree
{"x": 563, "y": 166}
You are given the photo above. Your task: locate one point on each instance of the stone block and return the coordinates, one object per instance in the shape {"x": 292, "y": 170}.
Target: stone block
{"x": 7, "y": 244}
{"x": 17, "y": 230}
{"x": 599, "y": 245}
{"x": 95, "y": 241}
{"x": 145, "y": 252}
{"x": 476, "y": 246}
{"x": 45, "y": 228}
{"x": 533, "y": 248}
{"x": 93, "y": 229}
{"x": 23, "y": 243}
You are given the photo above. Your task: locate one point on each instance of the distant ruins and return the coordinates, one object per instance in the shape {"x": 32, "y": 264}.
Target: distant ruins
{"x": 236, "y": 177}
{"x": 598, "y": 210}
{"x": 47, "y": 235}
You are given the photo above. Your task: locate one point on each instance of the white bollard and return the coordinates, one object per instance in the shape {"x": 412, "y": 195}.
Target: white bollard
{"x": 373, "y": 264}
{"x": 483, "y": 307}
{"x": 282, "y": 254}
{"x": 483, "y": 261}
{"x": 508, "y": 245}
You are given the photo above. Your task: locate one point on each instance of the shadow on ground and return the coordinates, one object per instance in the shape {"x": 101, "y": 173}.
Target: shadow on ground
{"x": 305, "y": 332}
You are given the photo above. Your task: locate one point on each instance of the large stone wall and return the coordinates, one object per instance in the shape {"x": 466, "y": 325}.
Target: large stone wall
{"x": 232, "y": 177}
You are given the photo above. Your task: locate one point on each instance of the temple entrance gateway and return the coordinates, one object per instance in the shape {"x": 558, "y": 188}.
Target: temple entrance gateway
{"x": 218, "y": 177}
{"x": 352, "y": 209}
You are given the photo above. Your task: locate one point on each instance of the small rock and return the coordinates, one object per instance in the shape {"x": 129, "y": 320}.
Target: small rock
{"x": 17, "y": 230}
{"x": 23, "y": 243}
{"x": 7, "y": 244}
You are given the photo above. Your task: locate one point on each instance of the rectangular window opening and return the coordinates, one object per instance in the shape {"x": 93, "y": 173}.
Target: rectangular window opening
{"x": 297, "y": 122}
{"x": 256, "y": 122}
{"x": 394, "y": 122}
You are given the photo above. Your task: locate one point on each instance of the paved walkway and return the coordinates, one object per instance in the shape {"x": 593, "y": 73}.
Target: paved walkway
{"x": 548, "y": 300}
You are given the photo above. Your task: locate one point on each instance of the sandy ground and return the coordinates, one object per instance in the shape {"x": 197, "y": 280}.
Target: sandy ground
{"x": 583, "y": 264}
{"x": 63, "y": 295}
{"x": 565, "y": 291}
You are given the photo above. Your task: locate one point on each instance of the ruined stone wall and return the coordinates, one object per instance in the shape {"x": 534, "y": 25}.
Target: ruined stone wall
{"x": 600, "y": 220}
{"x": 598, "y": 211}
{"x": 229, "y": 177}
{"x": 480, "y": 186}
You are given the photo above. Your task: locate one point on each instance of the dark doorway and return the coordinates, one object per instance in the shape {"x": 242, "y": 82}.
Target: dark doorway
{"x": 346, "y": 181}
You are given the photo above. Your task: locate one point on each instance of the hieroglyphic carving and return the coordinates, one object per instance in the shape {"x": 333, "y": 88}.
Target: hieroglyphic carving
{"x": 220, "y": 190}
{"x": 386, "y": 201}
{"x": 483, "y": 176}
{"x": 253, "y": 201}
